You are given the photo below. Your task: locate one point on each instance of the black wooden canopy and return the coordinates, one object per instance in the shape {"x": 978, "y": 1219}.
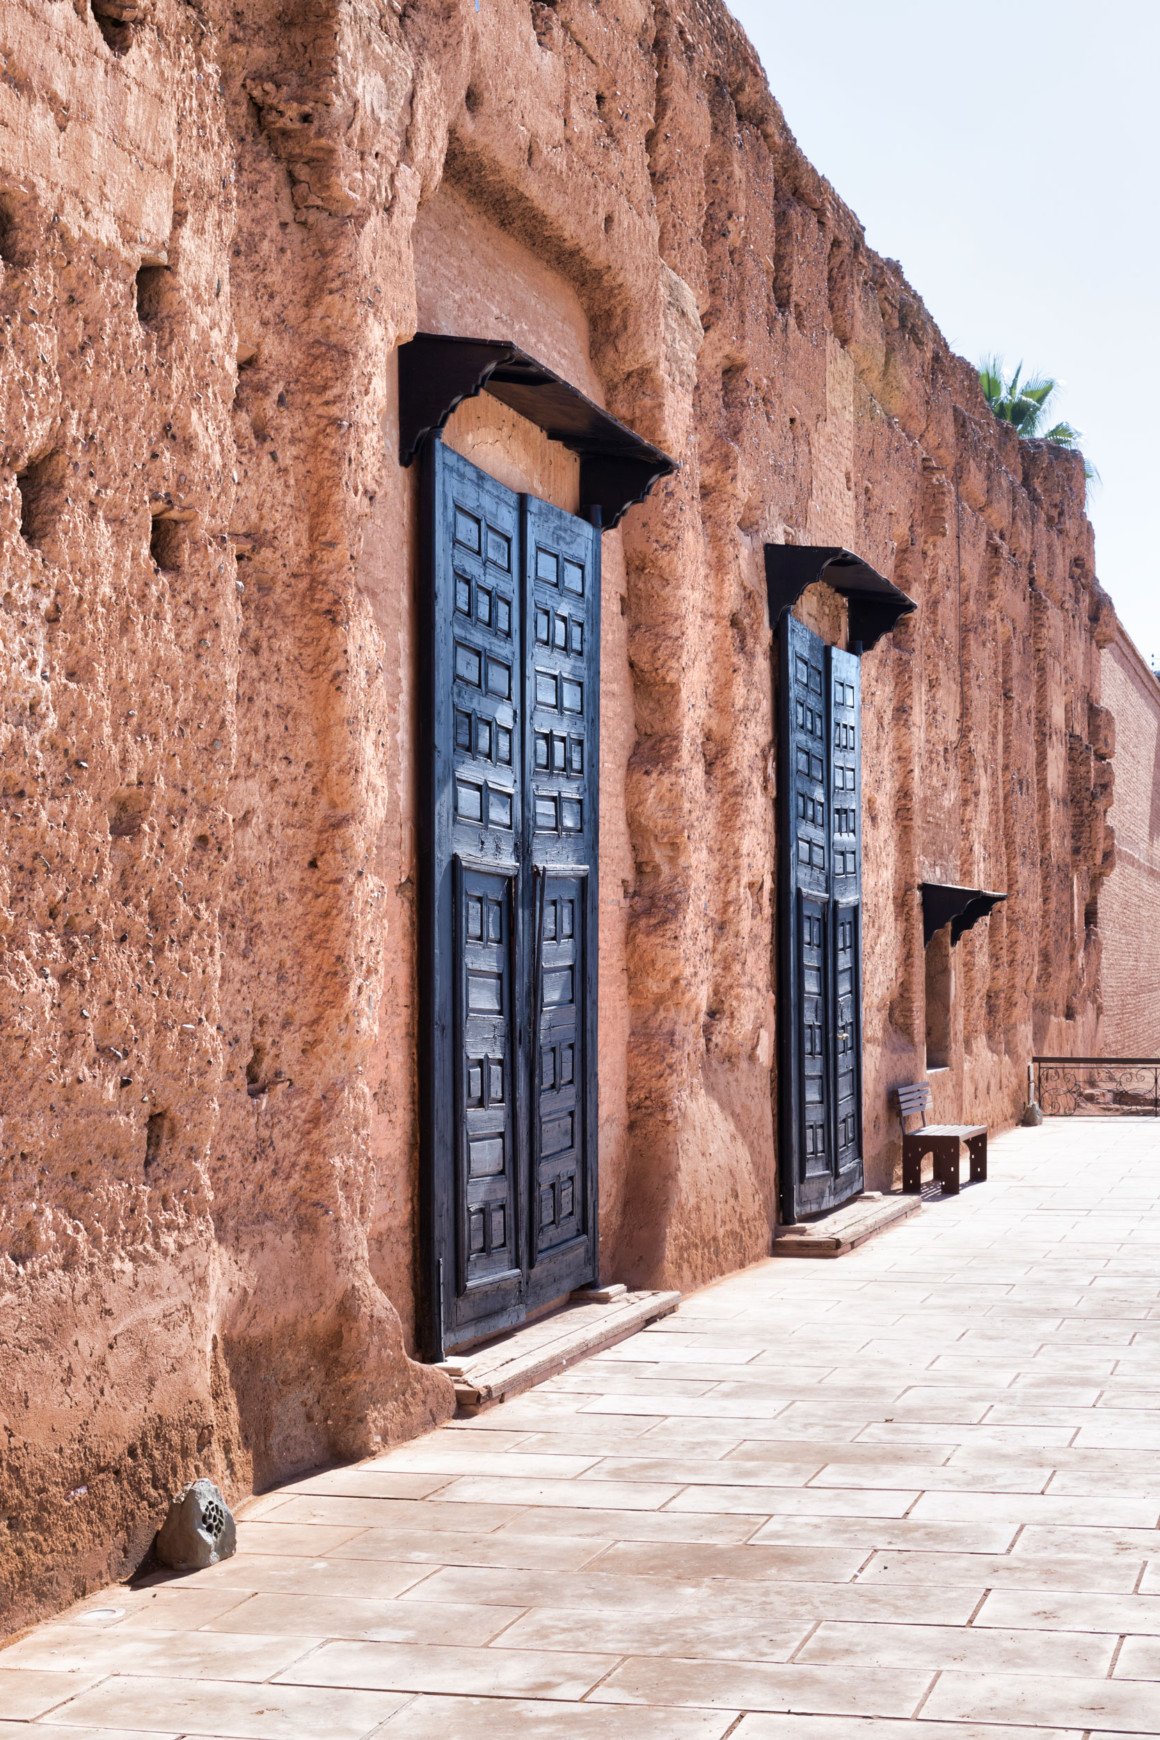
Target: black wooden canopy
{"x": 436, "y": 373}
{"x": 875, "y": 604}
{"x": 945, "y": 903}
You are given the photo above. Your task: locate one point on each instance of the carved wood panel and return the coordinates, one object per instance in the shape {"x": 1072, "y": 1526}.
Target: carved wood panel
{"x": 509, "y": 804}
{"x": 820, "y": 879}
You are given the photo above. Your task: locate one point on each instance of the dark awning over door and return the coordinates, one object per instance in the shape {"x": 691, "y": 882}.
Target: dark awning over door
{"x": 875, "y": 603}
{"x": 436, "y": 373}
{"x": 945, "y": 903}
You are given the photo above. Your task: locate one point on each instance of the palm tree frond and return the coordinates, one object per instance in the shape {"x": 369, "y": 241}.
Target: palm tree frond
{"x": 1024, "y": 404}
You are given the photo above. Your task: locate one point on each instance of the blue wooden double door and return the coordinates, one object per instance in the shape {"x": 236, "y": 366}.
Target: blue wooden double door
{"x": 509, "y": 830}
{"x": 820, "y": 930}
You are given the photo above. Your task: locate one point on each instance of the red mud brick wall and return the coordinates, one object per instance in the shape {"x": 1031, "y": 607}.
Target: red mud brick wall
{"x": 1129, "y": 901}
{"x": 217, "y": 222}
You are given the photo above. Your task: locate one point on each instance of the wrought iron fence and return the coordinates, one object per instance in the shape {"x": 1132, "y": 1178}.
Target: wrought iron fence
{"x": 1097, "y": 1086}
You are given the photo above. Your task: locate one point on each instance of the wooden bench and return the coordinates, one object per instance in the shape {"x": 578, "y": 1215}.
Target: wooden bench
{"x": 940, "y": 1141}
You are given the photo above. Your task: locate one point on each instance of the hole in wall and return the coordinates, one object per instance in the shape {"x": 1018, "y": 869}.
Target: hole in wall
{"x": 473, "y": 100}
{"x": 156, "y": 1131}
{"x": 127, "y": 814}
{"x": 115, "y": 20}
{"x": 9, "y": 238}
{"x": 154, "y": 293}
{"x": 40, "y": 487}
{"x": 166, "y": 541}
{"x": 1091, "y": 913}
{"x": 256, "y": 1084}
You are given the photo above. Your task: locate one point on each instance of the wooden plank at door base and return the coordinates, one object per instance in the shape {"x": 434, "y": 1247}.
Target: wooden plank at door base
{"x": 593, "y": 1319}
{"x": 846, "y": 1228}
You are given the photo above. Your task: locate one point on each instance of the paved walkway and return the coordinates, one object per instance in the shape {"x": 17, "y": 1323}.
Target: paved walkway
{"x": 913, "y": 1493}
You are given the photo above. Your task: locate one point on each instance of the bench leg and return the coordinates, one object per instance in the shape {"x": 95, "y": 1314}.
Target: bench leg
{"x": 978, "y": 1150}
{"x": 946, "y": 1166}
{"x": 912, "y": 1153}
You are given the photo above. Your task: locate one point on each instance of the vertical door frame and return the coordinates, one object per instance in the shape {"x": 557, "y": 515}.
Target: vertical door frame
{"x": 790, "y": 898}
{"x": 440, "y": 992}
{"x": 543, "y": 867}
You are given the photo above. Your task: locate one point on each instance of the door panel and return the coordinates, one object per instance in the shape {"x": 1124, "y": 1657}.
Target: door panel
{"x": 848, "y": 1039}
{"x": 472, "y": 1048}
{"x": 814, "y": 1084}
{"x": 562, "y": 758}
{"x": 560, "y": 1152}
{"x": 485, "y": 1051}
{"x": 846, "y": 851}
{"x": 509, "y": 758}
{"x": 820, "y": 924}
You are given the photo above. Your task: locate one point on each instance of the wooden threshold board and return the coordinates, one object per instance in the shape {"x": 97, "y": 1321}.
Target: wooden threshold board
{"x": 592, "y": 1320}
{"x": 845, "y": 1229}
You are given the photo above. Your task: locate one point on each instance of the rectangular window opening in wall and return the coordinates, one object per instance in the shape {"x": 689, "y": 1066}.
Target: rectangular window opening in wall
{"x": 939, "y": 989}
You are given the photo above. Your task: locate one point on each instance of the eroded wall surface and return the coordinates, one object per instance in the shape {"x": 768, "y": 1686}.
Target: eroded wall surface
{"x": 218, "y": 222}
{"x": 1129, "y": 901}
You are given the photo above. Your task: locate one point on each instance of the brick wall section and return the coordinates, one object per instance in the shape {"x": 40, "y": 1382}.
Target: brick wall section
{"x": 215, "y": 230}
{"x": 1129, "y": 903}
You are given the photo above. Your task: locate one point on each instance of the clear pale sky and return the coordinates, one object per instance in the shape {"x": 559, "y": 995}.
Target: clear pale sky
{"x": 1006, "y": 152}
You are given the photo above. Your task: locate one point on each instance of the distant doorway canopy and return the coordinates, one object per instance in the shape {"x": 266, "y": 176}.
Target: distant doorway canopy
{"x": 945, "y": 903}
{"x": 436, "y": 373}
{"x": 875, "y": 603}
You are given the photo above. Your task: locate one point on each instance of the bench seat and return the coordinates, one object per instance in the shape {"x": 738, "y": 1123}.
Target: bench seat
{"x": 941, "y": 1141}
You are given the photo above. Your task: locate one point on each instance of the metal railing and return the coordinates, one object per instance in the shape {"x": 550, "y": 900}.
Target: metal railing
{"x": 1096, "y": 1087}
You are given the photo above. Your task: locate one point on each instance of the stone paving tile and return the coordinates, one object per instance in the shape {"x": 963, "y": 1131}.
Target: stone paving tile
{"x": 477, "y": 1458}
{"x": 559, "y": 1494}
{"x": 298, "y": 1532}
{"x": 797, "y": 1501}
{"x": 956, "y": 1646}
{"x": 460, "y": 1718}
{"x": 723, "y": 1634}
{"x": 343, "y": 1616}
{"x": 374, "y": 1577}
{"x": 1139, "y": 1659}
{"x": 288, "y": 1537}
{"x": 709, "y": 1471}
{"x": 51, "y": 1730}
{"x": 371, "y": 1553}
{"x": 690, "y": 1379}
{"x": 896, "y": 1435}
{"x": 759, "y": 1686}
{"x": 629, "y": 1525}
{"x": 1016, "y": 1570}
{"x": 1114, "y": 1510}
{"x": 352, "y": 1483}
{"x": 853, "y": 1728}
{"x": 941, "y": 1477}
{"x": 1128, "y": 1706}
{"x": 901, "y": 1533}
{"x": 1116, "y": 1614}
{"x": 180, "y": 1605}
{"x": 597, "y": 1591}
{"x": 26, "y": 1693}
{"x": 793, "y": 1564}
{"x": 448, "y": 1668}
{"x": 911, "y": 1493}
{"x": 80, "y": 1649}
{"x": 161, "y": 1705}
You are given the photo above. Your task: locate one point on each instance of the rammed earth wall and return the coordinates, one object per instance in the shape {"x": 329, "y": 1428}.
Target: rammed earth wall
{"x": 1129, "y": 900}
{"x": 219, "y": 220}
